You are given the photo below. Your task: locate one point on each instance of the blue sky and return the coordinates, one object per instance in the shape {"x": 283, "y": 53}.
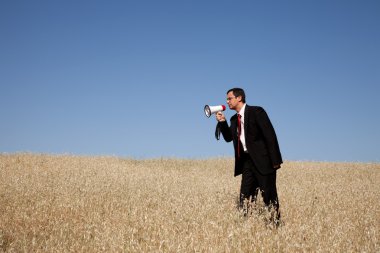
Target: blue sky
{"x": 131, "y": 78}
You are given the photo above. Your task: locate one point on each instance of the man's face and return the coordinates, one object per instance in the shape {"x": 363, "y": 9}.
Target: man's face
{"x": 232, "y": 101}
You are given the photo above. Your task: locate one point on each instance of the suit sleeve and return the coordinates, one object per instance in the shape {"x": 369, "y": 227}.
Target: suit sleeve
{"x": 270, "y": 137}
{"x": 226, "y": 131}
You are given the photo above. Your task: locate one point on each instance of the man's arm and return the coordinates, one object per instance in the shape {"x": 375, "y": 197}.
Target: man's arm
{"x": 224, "y": 128}
{"x": 270, "y": 138}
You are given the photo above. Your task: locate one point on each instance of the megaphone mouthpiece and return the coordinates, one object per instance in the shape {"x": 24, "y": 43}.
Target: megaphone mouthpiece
{"x": 213, "y": 109}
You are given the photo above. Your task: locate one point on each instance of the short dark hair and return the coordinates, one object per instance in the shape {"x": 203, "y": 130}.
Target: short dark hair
{"x": 238, "y": 92}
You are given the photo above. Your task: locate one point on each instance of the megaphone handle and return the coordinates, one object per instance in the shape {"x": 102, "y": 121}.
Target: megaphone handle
{"x": 217, "y": 131}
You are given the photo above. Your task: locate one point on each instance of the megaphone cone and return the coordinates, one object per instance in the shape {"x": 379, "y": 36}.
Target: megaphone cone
{"x": 213, "y": 109}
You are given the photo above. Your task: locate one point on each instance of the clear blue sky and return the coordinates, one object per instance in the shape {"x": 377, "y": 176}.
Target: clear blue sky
{"x": 131, "y": 78}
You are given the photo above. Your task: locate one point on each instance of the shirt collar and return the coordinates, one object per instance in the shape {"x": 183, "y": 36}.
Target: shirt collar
{"x": 242, "y": 110}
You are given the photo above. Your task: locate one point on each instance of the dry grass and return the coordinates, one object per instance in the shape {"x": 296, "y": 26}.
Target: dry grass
{"x": 91, "y": 204}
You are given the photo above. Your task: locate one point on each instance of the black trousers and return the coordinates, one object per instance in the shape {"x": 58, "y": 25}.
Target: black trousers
{"x": 253, "y": 182}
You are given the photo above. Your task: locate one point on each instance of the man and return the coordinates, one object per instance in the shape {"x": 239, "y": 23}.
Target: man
{"x": 257, "y": 153}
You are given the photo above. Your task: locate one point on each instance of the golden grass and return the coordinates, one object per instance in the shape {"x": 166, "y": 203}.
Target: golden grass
{"x": 51, "y": 203}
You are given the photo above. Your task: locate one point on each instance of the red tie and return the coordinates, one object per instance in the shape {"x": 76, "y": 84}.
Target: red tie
{"x": 239, "y": 133}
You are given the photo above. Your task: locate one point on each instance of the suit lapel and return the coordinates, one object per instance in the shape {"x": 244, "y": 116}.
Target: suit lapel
{"x": 234, "y": 122}
{"x": 246, "y": 119}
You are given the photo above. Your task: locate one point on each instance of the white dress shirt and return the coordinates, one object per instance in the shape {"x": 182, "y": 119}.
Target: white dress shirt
{"x": 242, "y": 134}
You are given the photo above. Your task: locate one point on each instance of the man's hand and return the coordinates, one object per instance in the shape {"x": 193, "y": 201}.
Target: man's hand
{"x": 276, "y": 166}
{"x": 220, "y": 117}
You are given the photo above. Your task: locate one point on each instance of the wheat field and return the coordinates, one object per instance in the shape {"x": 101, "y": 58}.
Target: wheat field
{"x": 66, "y": 203}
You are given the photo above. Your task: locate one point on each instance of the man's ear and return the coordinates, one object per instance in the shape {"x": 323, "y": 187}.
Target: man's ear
{"x": 239, "y": 98}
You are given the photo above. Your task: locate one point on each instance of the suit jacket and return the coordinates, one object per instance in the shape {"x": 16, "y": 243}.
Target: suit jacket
{"x": 260, "y": 139}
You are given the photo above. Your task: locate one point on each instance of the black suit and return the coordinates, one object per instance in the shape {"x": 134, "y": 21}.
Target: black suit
{"x": 263, "y": 154}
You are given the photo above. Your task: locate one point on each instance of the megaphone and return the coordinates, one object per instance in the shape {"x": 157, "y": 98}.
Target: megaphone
{"x": 213, "y": 109}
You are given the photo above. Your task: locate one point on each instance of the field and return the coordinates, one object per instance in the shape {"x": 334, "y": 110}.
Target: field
{"x": 60, "y": 203}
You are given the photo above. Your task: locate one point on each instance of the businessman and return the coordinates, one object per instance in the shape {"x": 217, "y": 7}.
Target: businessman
{"x": 257, "y": 153}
